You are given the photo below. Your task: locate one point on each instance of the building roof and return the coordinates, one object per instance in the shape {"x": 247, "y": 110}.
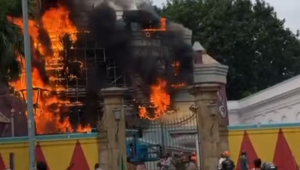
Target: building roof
{"x": 268, "y": 95}
{"x": 207, "y": 59}
{"x": 197, "y": 46}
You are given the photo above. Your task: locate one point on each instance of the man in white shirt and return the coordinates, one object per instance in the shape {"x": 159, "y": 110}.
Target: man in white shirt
{"x": 222, "y": 158}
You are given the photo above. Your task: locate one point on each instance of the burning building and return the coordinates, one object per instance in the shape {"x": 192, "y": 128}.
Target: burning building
{"x": 79, "y": 47}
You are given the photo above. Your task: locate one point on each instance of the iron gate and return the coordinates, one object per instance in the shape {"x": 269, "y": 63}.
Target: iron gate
{"x": 175, "y": 133}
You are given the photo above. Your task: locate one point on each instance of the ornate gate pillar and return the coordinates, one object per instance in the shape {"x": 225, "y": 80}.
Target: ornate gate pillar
{"x": 113, "y": 156}
{"x": 209, "y": 77}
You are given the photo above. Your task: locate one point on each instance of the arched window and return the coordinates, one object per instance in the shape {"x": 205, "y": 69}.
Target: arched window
{"x": 284, "y": 119}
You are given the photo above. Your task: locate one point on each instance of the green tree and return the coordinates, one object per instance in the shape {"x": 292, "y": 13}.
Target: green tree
{"x": 246, "y": 36}
{"x": 10, "y": 43}
{"x": 11, "y": 39}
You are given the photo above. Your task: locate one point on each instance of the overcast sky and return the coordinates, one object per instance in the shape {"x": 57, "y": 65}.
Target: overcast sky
{"x": 286, "y": 9}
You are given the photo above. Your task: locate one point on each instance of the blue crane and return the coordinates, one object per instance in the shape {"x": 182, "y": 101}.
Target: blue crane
{"x": 138, "y": 151}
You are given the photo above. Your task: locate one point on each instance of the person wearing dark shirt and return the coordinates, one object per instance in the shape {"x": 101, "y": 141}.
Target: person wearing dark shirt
{"x": 268, "y": 166}
{"x": 97, "y": 167}
{"x": 41, "y": 166}
{"x": 244, "y": 161}
{"x": 227, "y": 164}
{"x": 257, "y": 164}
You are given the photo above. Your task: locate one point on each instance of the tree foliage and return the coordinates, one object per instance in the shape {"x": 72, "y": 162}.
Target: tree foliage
{"x": 14, "y": 8}
{"x": 246, "y": 36}
{"x": 11, "y": 42}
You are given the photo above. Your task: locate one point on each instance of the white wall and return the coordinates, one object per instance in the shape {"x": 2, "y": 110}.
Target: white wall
{"x": 277, "y": 104}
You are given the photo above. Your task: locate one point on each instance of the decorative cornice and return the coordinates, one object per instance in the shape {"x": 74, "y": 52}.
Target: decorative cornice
{"x": 212, "y": 87}
{"x": 267, "y": 101}
{"x": 278, "y": 89}
{"x": 264, "y": 126}
{"x": 113, "y": 91}
{"x": 210, "y": 73}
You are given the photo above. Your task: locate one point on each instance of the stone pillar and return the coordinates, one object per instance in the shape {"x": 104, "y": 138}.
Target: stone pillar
{"x": 113, "y": 123}
{"x": 209, "y": 77}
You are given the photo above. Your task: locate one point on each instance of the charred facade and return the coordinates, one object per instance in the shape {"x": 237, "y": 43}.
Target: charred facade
{"x": 113, "y": 48}
{"x": 121, "y": 48}
{"x": 139, "y": 47}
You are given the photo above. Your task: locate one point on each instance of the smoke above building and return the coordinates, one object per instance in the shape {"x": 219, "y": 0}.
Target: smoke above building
{"x": 149, "y": 51}
{"x": 121, "y": 41}
{"x": 148, "y": 48}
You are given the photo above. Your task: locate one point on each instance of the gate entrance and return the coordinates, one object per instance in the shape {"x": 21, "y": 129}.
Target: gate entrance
{"x": 175, "y": 133}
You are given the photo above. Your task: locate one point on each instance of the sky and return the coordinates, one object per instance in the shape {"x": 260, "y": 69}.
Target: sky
{"x": 285, "y": 9}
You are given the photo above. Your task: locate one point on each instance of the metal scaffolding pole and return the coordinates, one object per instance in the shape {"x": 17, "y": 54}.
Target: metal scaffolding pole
{"x": 31, "y": 123}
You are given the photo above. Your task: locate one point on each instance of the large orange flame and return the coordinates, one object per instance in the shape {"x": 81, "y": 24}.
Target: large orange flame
{"x": 47, "y": 107}
{"x": 163, "y": 27}
{"x": 160, "y": 100}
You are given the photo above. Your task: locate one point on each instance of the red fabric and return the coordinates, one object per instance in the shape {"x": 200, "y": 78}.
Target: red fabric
{"x": 283, "y": 157}
{"x": 248, "y": 148}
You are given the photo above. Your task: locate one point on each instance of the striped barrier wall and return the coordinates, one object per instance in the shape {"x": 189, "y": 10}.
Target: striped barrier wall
{"x": 278, "y": 143}
{"x": 58, "y": 151}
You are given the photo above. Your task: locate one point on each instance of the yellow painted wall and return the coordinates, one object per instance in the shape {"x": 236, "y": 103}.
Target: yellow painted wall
{"x": 58, "y": 153}
{"x": 20, "y": 151}
{"x": 264, "y": 142}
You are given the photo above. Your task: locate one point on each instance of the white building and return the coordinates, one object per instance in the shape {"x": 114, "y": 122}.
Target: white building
{"x": 277, "y": 104}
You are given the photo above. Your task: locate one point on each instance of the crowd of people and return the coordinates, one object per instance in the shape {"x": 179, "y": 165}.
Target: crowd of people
{"x": 185, "y": 162}
{"x": 178, "y": 162}
{"x": 43, "y": 166}
{"x": 225, "y": 163}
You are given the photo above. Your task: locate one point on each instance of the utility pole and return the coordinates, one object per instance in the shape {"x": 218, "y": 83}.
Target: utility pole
{"x": 12, "y": 122}
{"x": 31, "y": 123}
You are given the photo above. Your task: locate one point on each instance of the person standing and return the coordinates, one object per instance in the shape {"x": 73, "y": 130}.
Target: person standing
{"x": 222, "y": 158}
{"x": 190, "y": 164}
{"x": 268, "y": 166}
{"x": 244, "y": 161}
{"x": 167, "y": 163}
{"x": 257, "y": 164}
{"x": 227, "y": 164}
{"x": 180, "y": 162}
{"x": 194, "y": 158}
{"x": 97, "y": 167}
{"x": 41, "y": 166}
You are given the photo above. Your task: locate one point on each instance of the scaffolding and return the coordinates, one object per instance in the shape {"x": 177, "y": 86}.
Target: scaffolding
{"x": 96, "y": 66}
{"x": 81, "y": 62}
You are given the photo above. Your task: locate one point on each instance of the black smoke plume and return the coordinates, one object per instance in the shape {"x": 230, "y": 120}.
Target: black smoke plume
{"x": 143, "y": 63}
{"x": 119, "y": 39}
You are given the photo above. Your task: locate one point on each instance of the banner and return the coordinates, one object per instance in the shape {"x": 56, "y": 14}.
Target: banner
{"x": 222, "y": 104}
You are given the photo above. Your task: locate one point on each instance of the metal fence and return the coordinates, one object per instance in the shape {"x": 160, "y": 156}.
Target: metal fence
{"x": 175, "y": 133}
